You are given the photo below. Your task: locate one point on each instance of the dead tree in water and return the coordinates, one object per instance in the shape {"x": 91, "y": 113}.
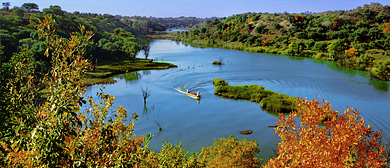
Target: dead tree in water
{"x": 145, "y": 93}
{"x": 146, "y": 49}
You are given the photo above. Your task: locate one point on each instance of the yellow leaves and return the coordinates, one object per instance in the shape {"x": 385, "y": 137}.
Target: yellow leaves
{"x": 250, "y": 21}
{"x": 351, "y": 53}
{"x": 224, "y": 32}
{"x": 314, "y": 145}
{"x": 386, "y": 27}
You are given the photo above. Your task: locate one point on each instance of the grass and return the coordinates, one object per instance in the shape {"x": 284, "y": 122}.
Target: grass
{"x": 269, "y": 100}
{"x": 163, "y": 36}
{"x": 102, "y": 73}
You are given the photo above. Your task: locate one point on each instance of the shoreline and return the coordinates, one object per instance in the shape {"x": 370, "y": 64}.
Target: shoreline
{"x": 103, "y": 73}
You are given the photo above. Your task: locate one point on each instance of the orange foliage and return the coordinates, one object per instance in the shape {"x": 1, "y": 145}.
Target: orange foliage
{"x": 224, "y": 32}
{"x": 250, "y": 20}
{"x": 342, "y": 141}
{"x": 351, "y": 53}
{"x": 336, "y": 23}
{"x": 264, "y": 42}
{"x": 296, "y": 17}
{"x": 386, "y": 27}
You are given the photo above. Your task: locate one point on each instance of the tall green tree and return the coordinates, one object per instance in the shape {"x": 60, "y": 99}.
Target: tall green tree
{"x": 30, "y": 6}
{"x": 130, "y": 47}
{"x": 337, "y": 49}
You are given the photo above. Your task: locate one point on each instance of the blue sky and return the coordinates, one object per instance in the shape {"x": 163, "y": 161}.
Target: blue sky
{"x": 197, "y": 8}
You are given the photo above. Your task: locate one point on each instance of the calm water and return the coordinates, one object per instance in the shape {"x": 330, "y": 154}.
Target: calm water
{"x": 196, "y": 124}
{"x": 175, "y": 30}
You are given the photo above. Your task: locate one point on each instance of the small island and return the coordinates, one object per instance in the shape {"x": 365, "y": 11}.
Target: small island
{"x": 269, "y": 100}
{"x": 102, "y": 73}
{"x": 217, "y": 63}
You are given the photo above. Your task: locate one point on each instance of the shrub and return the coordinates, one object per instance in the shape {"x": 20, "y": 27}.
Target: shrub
{"x": 217, "y": 63}
{"x": 219, "y": 82}
{"x": 230, "y": 152}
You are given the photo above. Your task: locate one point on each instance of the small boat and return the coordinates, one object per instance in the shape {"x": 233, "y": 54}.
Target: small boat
{"x": 190, "y": 94}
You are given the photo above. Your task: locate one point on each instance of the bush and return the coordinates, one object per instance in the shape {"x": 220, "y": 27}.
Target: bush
{"x": 219, "y": 82}
{"x": 217, "y": 63}
{"x": 269, "y": 100}
{"x": 230, "y": 152}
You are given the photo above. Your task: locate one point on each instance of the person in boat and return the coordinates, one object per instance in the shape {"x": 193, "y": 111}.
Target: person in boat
{"x": 198, "y": 94}
{"x": 188, "y": 91}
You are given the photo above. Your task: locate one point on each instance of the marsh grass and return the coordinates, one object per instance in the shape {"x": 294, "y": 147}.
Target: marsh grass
{"x": 102, "y": 73}
{"x": 269, "y": 100}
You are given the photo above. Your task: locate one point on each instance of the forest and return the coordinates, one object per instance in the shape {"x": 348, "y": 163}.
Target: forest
{"x": 357, "y": 39}
{"x": 53, "y": 49}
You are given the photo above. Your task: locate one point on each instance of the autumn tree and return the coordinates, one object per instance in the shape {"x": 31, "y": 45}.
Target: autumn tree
{"x": 326, "y": 139}
{"x": 55, "y": 132}
{"x": 386, "y": 27}
{"x": 351, "y": 53}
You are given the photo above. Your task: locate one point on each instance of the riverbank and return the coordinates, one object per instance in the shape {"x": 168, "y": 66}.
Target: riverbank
{"x": 269, "y": 100}
{"x": 101, "y": 74}
{"x": 162, "y": 35}
{"x": 372, "y": 60}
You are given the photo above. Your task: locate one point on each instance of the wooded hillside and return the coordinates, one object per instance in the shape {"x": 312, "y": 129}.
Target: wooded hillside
{"x": 357, "y": 39}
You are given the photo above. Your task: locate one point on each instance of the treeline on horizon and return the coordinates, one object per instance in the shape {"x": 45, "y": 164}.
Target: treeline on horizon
{"x": 357, "y": 39}
{"x": 115, "y": 37}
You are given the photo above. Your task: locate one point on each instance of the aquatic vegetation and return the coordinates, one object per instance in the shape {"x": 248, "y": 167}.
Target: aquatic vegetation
{"x": 269, "y": 100}
{"x": 217, "y": 63}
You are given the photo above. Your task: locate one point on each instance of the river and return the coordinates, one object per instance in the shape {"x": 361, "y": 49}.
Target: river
{"x": 197, "y": 123}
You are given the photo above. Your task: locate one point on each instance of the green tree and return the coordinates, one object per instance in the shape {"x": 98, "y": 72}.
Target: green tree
{"x": 310, "y": 44}
{"x": 30, "y": 6}
{"x": 6, "y": 5}
{"x": 297, "y": 47}
{"x": 381, "y": 70}
{"x": 259, "y": 28}
{"x": 380, "y": 17}
{"x": 130, "y": 47}
{"x": 337, "y": 49}
{"x": 18, "y": 12}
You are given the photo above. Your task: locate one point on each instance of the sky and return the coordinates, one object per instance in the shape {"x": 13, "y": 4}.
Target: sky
{"x": 196, "y": 8}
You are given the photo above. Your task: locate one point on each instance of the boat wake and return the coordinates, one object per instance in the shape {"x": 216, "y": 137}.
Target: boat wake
{"x": 191, "y": 94}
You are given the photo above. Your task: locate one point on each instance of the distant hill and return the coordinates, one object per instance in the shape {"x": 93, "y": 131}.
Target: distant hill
{"x": 357, "y": 39}
{"x": 18, "y": 29}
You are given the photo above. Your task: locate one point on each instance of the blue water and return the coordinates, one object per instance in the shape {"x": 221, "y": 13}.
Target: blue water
{"x": 196, "y": 124}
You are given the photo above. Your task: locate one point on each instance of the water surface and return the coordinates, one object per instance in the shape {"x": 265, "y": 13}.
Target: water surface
{"x": 196, "y": 124}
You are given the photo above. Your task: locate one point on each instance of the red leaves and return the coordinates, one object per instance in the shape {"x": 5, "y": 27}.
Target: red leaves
{"x": 296, "y": 17}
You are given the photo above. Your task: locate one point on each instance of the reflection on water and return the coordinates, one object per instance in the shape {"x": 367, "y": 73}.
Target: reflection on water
{"x": 381, "y": 85}
{"x": 296, "y": 58}
{"x": 132, "y": 76}
{"x": 129, "y": 76}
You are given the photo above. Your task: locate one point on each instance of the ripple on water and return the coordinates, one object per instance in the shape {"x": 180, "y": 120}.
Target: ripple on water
{"x": 197, "y": 124}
